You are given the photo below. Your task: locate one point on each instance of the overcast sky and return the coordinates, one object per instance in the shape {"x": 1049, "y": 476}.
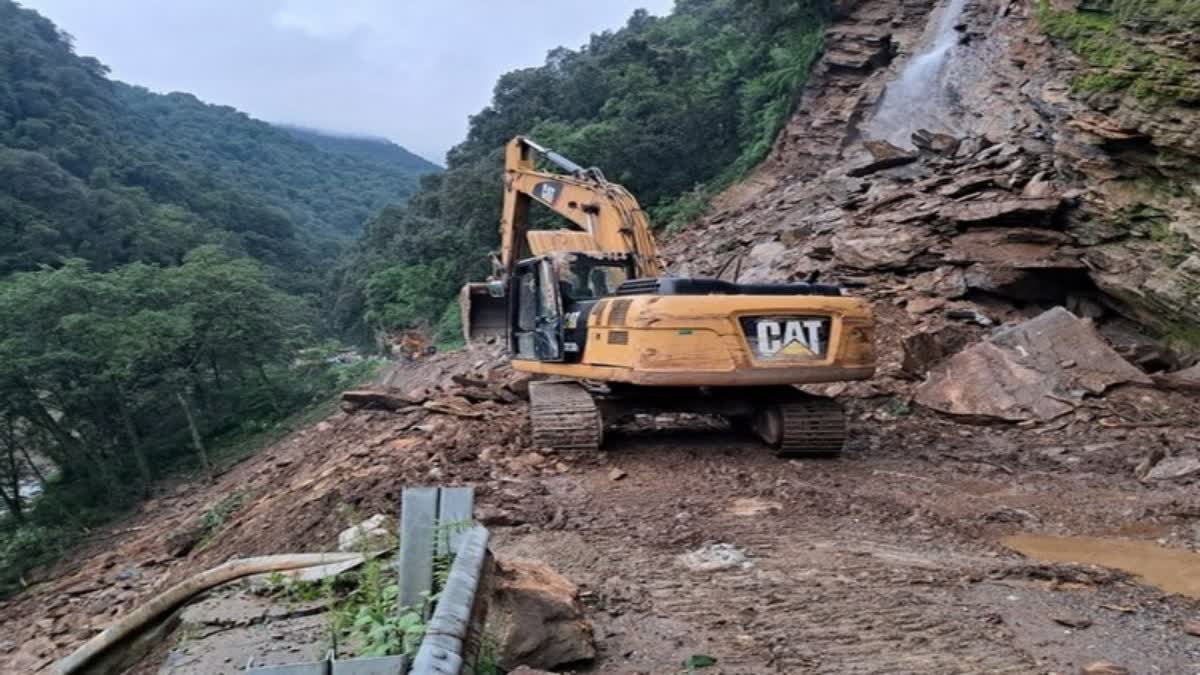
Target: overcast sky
{"x": 408, "y": 70}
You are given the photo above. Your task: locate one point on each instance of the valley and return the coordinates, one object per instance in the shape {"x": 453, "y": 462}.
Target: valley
{"x": 1009, "y": 183}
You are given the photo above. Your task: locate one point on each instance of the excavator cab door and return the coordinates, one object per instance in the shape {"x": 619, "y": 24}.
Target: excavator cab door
{"x": 537, "y": 312}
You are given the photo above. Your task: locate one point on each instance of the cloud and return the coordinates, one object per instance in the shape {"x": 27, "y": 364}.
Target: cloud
{"x": 406, "y": 70}
{"x": 322, "y": 19}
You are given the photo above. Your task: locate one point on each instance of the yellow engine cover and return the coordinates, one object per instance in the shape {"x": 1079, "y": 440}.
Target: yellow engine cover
{"x": 723, "y": 340}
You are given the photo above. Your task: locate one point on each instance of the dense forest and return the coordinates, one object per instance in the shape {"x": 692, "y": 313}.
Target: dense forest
{"x": 162, "y": 262}
{"x": 673, "y": 107}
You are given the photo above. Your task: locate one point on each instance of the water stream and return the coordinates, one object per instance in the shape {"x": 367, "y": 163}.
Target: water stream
{"x": 920, "y": 96}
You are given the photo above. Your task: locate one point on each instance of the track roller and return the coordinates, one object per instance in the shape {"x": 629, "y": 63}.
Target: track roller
{"x": 564, "y": 416}
{"x": 803, "y": 425}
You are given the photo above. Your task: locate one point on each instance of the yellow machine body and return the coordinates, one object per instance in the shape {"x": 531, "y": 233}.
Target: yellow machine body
{"x": 591, "y": 306}
{"x": 687, "y": 340}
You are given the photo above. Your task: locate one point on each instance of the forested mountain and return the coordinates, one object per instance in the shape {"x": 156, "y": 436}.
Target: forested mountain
{"x": 673, "y": 107}
{"x": 113, "y": 173}
{"x": 381, "y": 150}
{"x": 161, "y": 261}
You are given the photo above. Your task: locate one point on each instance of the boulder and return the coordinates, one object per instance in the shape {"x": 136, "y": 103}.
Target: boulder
{"x": 1187, "y": 379}
{"x": 877, "y": 248}
{"x": 1020, "y": 248}
{"x": 1004, "y": 212}
{"x": 368, "y": 535}
{"x": 537, "y": 618}
{"x": 1037, "y": 370}
{"x": 884, "y": 155}
{"x": 932, "y": 141}
{"x": 925, "y": 349}
{"x": 1150, "y": 289}
{"x": 944, "y": 282}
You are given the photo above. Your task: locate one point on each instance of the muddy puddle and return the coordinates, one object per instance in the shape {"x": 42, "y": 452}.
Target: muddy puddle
{"x": 1172, "y": 570}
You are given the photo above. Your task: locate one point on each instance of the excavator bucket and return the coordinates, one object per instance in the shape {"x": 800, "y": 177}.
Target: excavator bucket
{"x": 484, "y": 312}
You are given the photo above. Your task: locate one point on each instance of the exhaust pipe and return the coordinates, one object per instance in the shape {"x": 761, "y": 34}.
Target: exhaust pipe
{"x": 484, "y": 310}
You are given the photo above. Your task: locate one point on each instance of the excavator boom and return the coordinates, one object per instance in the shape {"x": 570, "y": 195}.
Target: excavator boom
{"x": 605, "y": 216}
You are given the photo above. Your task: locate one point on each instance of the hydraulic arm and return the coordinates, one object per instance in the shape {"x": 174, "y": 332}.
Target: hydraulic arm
{"x": 608, "y": 219}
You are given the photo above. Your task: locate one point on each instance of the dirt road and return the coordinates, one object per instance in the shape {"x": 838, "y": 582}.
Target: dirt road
{"x": 886, "y": 560}
{"x": 882, "y": 561}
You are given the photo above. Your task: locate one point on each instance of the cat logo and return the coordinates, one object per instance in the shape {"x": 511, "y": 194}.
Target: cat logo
{"x": 790, "y": 337}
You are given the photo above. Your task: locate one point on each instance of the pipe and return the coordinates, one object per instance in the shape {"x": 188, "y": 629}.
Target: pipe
{"x": 181, "y": 592}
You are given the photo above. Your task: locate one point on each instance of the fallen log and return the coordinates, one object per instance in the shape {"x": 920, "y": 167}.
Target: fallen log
{"x": 179, "y": 593}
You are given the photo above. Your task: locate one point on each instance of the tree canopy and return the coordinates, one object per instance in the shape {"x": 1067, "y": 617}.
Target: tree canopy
{"x": 113, "y": 174}
{"x": 673, "y": 107}
{"x": 161, "y": 261}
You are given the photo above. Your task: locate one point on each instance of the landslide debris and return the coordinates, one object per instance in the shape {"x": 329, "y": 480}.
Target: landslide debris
{"x": 298, "y": 496}
{"x": 1043, "y": 198}
{"x": 1039, "y": 369}
{"x": 537, "y": 618}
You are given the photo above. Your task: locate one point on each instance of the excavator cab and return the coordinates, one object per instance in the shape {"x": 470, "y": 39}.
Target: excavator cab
{"x": 546, "y": 301}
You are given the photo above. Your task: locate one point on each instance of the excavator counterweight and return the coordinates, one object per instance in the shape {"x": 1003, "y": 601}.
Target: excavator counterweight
{"x": 591, "y": 308}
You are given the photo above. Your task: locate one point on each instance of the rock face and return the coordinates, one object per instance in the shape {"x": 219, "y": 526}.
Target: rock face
{"x": 1037, "y": 370}
{"x": 536, "y": 616}
{"x": 1044, "y": 192}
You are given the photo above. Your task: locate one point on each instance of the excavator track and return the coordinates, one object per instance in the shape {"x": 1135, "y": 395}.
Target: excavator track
{"x": 804, "y": 425}
{"x": 564, "y": 416}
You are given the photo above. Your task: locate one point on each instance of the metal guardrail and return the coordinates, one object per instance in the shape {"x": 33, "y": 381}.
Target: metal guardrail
{"x": 454, "y": 634}
{"x": 385, "y": 665}
{"x": 431, "y": 522}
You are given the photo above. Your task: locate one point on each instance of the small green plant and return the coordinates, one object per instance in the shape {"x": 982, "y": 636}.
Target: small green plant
{"x": 280, "y": 585}
{"x": 488, "y": 661}
{"x": 898, "y": 408}
{"x": 1118, "y": 62}
{"x": 215, "y": 517}
{"x": 698, "y": 661}
{"x": 371, "y": 621}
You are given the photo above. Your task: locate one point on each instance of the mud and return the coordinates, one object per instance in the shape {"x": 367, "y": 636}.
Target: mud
{"x": 875, "y": 562}
{"x": 883, "y": 560}
{"x": 1172, "y": 570}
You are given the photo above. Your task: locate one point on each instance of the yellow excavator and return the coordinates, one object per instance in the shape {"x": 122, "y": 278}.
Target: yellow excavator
{"x": 591, "y": 308}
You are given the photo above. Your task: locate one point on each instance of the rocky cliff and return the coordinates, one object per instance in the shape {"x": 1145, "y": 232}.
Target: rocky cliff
{"x": 986, "y": 160}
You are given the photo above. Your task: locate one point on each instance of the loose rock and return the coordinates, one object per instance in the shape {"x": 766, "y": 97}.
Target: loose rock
{"x": 1104, "y": 668}
{"x": 1017, "y": 375}
{"x": 713, "y": 558}
{"x": 368, "y": 535}
{"x": 1172, "y": 468}
{"x": 537, "y": 618}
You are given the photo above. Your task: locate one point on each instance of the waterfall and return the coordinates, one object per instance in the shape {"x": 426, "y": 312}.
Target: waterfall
{"x": 919, "y": 97}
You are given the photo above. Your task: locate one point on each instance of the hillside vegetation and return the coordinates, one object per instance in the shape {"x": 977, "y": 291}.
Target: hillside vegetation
{"x": 164, "y": 274}
{"x": 111, "y": 173}
{"x": 672, "y": 107}
{"x": 161, "y": 265}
